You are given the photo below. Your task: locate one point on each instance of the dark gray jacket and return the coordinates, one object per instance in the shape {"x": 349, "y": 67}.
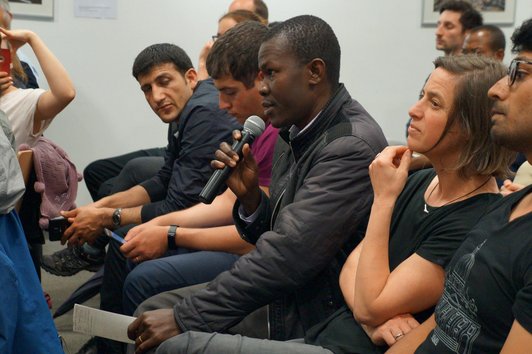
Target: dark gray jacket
{"x": 320, "y": 200}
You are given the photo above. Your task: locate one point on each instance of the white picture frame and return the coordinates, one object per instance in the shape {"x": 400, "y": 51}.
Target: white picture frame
{"x": 496, "y": 12}
{"x": 32, "y": 8}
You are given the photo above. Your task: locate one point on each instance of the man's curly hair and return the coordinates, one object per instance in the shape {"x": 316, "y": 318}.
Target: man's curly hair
{"x": 522, "y": 37}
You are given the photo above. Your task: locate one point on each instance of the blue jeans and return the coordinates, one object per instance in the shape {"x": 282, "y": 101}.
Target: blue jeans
{"x": 26, "y": 325}
{"x": 172, "y": 272}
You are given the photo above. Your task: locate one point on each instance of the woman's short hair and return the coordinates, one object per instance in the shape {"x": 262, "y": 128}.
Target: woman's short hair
{"x": 471, "y": 111}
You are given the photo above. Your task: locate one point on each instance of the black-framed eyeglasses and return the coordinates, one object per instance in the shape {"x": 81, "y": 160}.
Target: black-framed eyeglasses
{"x": 215, "y": 37}
{"x": 514, "y": 68}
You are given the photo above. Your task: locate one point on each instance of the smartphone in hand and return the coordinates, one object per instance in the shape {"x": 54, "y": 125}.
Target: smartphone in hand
{"x": 57, "y": 227}
{"x": 5, "y": 56}
{"x": 114, "y": 236}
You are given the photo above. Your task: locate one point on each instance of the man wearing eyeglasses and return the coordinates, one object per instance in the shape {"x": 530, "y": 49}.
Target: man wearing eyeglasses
{"x": 486, "y": 307}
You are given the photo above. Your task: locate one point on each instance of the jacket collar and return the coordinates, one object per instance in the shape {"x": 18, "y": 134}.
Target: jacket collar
{"x": 300, "y": 142}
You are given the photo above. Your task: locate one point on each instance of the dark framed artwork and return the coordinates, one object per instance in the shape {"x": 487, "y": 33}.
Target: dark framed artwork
{"x": 32, "y": 8}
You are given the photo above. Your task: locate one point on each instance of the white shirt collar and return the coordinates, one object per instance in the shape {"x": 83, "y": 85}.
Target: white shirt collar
{"x": 295, "y": 131}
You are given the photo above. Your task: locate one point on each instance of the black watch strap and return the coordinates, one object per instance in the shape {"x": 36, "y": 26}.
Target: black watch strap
{"x": 117, "y": 217}
{"x": 171, "y": 237}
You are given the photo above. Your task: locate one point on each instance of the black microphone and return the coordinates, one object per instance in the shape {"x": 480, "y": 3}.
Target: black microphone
{"x": 253, "y": 127}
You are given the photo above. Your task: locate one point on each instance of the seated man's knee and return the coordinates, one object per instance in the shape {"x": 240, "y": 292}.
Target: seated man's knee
{"x": 136, "y": 171}
{"x": 94, "y": 170}
{"x": 142, "y": 168}
{"x": 177, "y": 344}
{"x": 167, "y": 299}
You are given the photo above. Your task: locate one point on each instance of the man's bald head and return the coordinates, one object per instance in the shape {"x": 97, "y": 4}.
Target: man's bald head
{"x": 256, "y": 6}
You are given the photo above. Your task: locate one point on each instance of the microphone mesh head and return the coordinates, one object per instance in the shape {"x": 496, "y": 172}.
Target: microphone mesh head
{"x": 255, "y": 125}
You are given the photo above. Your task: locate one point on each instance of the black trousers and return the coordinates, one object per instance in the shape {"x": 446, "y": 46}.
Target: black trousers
{"x": 30, "y": 213}
{"x": 118, "y": 173}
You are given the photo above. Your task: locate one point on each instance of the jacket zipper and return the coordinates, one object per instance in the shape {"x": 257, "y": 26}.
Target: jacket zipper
{"x": 284, "y": 190}
{"x": 275, "y": 208}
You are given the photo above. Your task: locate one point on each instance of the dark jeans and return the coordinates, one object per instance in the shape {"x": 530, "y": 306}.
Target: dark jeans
{"x": 115, "y": 272}
{"x": 180, "y": 268}
{"x": 173, "y": 272}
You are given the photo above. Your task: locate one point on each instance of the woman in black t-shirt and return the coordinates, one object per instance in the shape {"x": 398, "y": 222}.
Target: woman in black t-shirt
{"x": 394, "y": 278}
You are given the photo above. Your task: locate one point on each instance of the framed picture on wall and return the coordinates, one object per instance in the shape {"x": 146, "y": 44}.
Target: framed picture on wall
{"x": 497, "y": 12}
{"x": 32, "y": 8}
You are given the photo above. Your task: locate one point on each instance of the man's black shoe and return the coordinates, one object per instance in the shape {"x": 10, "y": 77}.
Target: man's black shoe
{"x": 70, "y": 261}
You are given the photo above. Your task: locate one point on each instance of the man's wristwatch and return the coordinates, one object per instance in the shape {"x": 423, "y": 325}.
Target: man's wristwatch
{"x": 117, "y": 217}
{"x": 171, "y": 237}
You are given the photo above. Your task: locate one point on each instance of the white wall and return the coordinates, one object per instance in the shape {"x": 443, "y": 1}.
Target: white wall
{"x": 386, "y": 56}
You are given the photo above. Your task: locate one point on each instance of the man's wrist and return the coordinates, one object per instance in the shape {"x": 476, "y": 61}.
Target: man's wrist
{"x": 252, "y": 202}
{"x": 106, "y": 217}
